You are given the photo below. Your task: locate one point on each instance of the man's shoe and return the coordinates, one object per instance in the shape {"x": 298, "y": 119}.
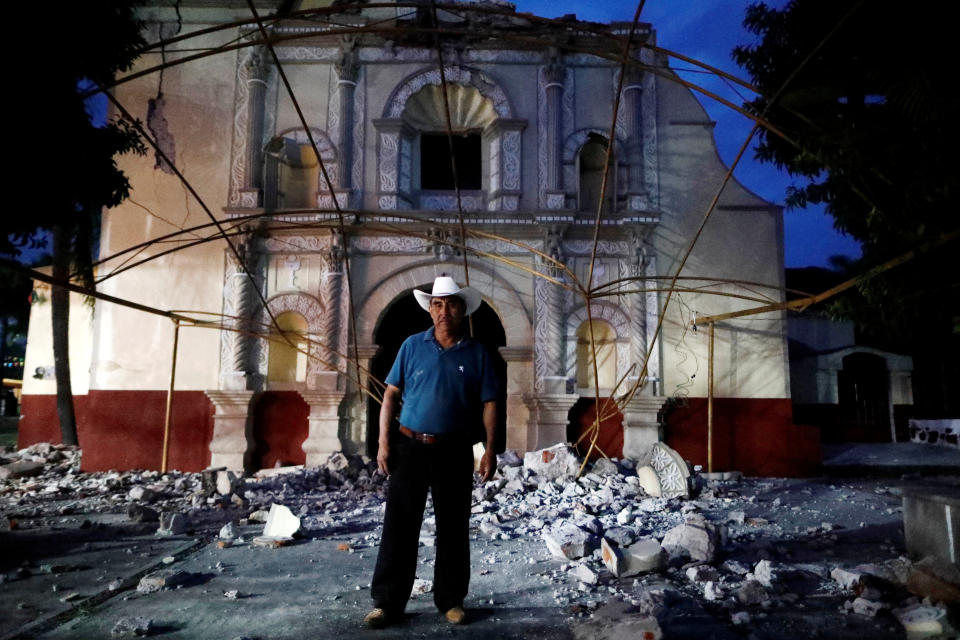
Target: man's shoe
{"x": 377, "y": 619}
{"x": 456, "y": 615}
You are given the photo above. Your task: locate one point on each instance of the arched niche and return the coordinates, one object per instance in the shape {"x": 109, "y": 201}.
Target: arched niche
{"x": 286, "y": 308}
{"x": 584, "y": 156}
{"x": 612, "y": 327}
{"x": 478, "y": 107}
{"x": 292, "y": 177}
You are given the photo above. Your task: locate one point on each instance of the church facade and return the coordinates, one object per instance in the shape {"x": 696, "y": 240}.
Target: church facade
{"x": 314, "y": 302}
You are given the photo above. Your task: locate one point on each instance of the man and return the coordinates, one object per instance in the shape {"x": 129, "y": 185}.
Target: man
{"x": 447, "y": 387}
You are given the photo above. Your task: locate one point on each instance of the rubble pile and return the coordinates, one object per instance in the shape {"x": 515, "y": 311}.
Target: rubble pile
{"x": 650, "y": 537}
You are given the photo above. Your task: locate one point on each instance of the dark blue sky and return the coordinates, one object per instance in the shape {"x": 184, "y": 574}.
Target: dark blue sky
{"x": 708, "y": 30}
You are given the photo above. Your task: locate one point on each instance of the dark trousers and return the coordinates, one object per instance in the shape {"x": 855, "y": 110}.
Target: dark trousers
{"x": 446, "y": 469}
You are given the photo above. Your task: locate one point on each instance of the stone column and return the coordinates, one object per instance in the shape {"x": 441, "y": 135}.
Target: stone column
{"x": 548, "y": 419}
{"x": 323, "y": 437}
{"x": 254, "y": 73}
{"x": 549, "y": 329}
{"x": 633, "y": 112}
{"x": 331, "y": 292}
{"x": 554, "y": 74}
{"x": 347, "y": 70}
{"x": 519, "y": 384}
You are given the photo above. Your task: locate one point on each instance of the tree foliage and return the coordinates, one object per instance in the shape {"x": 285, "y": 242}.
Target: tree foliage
{"x": 870, "y": 131}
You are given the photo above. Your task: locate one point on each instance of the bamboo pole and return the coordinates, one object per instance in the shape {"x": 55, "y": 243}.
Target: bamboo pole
{"x": 710, "y": 400}
{"x": 169, "y": 414}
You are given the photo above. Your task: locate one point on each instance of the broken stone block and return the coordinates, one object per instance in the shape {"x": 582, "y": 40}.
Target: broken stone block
{"x": 584, "y": 574}
{"x": 649, "y": 481}
{"x": 422, "y": 586}
{"x": 230, "y": 482}
{"x": 163, "y": 579}
{"x": 737, "y": 517}
{"x": 672, "y": 471}
{"x": 735, "y": 567}
{"x": 558, "y": 461}
{"x": 172, "y": 524}
{"x": 569, "y": 542}
{"x": 337, "y": 461}
{"x": 740, "y": 618}
{"x": 281, "y": 523}
{"x": 611, "y": 557}
{"x": 259, "y": 515}
{"x": 643, "y": 556}
{"x": 21, "y": 469}
{"x": 695, "y": 538}
{"x": 766, "y": 574}
{"x": 625, "y": 516}
{"x": 139, "y": 513}
{"x": 132, "y": 626}
{"x": 752, "y": 592}
{"x": 208, "y": 480}
{"x": 270, "y": 542}
{"x": 712, "y": 591}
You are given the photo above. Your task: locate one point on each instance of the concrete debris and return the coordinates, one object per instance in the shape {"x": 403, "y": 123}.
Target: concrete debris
{"x": 628, "y": 628}
{"x": 712, "y": 591}
{"x": 163, "y": 579}
{"x": 643, "y": 556}
{"x": 584, "y": 574}
{"x": 260, "y": 515}
{"x": 604, "y": 467}
{"x": 172, "y": 524}
{"x": 132, "y": 626}
{"x": 281, "y": 523}
{"x": 740, "y": 618}
{"x": 270, "y": 542}
{"x": 509, "y": 458}
{"x": 695, "y": 538}
{"x": 142, "y": 494}
{"x": 558, "y": 461}
{"x": 847, "y": 579}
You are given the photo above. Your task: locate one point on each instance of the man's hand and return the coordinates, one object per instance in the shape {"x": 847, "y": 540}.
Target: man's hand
{"x": 383, "y": 454}
{"x": 488, "y": 464}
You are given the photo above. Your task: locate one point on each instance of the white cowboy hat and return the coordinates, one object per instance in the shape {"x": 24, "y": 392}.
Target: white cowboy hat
{"x": 446, "y": 286}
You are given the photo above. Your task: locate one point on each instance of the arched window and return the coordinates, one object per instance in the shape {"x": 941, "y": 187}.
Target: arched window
{"x": 590, "y": 163}
{"x": 286, "y": 364}
{"x": 605, "y": 340}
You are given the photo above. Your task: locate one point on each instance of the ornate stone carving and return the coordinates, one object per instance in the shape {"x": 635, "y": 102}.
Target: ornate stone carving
{"x": 604, "y": 247}
{"x": 404, "y": 54}
{"x": 672, "y": 470}
{"x": 308, "y": 54}
{"x": 454, "y": 75}
{"x": 389, "y": 154}
{"x": 313, "y": 311}
{"x": 648, "y": 106}
{"x": 511, "y": 160}
{"x": 388, "y": 244}
{"x": 448, "y": 202}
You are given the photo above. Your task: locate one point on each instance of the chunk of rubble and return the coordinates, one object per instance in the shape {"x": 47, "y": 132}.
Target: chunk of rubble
{"x": 649, "y": 481}
{"x": 172, "y": 524}
{"x": 142, "y": 494}
{"x": 422, "y": 586}
{"x": 227, "y": 532}
{"x": 558, "y": 461}
{"x": 567, "y": 541}
{"x": 21, "y": 469}
{"x": 702, "y": 573}
{"x": 509, "y": 459}
{"x": 281, "y": 523}
{"x": 163, "y": 579}
{"x": 695, "y": 538}
{"x": 846, "y": 578}
{"x": 132, "y": 626}
{"x": 712, "y": 591}
{"x": 584, "y": 574}
{"x": 137, "y": 512}
{"x": 621, "y": 628}
{"x": 605, "y": 467}
{"x": 864, "y": 607}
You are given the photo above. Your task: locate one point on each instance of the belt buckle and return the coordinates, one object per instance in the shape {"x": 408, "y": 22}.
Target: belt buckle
{"x": 426, "y": 438}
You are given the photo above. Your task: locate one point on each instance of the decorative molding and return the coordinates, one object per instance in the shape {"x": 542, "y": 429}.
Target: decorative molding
{"x": 448, "y": 202}
{"x": 511, "y": 160}
{"x": 402, "y": 54}
{"x": 502, "y": 56}
{"x": 308, "y": 54}
{"x": 604, "y": 247}
{"x": 648, "y": 106}
{"x": 298, "y": 244}
{"x": 388, "y": 244}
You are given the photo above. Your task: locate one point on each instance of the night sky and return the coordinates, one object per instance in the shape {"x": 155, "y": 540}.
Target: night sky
{"x": 708, "y": 30}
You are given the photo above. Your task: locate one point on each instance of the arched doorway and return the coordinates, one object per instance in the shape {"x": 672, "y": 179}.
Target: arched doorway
{"x": 403, "y": 319}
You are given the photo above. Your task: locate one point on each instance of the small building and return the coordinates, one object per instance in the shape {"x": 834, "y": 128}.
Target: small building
{"x": 314, "y": 314}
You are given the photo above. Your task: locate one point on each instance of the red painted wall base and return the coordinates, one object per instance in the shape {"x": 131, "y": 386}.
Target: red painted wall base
{"x": 753, "y": 435}
{"x": 123, "y": 430}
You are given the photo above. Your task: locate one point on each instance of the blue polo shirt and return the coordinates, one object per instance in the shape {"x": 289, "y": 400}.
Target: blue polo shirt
{"x": 443, "y": 389}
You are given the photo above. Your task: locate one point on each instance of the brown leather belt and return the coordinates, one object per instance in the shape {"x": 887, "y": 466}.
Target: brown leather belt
{"x": 425, "y": 438}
